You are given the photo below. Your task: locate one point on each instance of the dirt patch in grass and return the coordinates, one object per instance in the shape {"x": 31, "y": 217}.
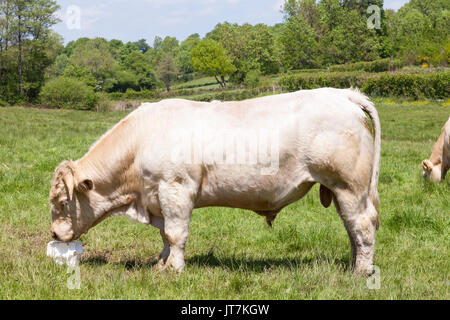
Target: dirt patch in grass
{"x": 21, "y": 242}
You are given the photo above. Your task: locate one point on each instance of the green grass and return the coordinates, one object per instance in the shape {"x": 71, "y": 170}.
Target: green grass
{"x": 231, "y": 254}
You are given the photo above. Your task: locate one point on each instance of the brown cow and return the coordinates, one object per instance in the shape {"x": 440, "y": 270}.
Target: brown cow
{"x": 437, "y": 166}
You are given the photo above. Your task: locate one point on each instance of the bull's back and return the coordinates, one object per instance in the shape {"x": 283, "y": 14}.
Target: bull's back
{"x": 290, "y": 134}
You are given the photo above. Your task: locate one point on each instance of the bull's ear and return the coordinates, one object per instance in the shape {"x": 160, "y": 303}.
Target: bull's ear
{"x": 69, "y": 184}
{"x": 85, "y": 185}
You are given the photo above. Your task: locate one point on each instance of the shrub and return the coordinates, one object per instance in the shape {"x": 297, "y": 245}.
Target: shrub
{"x": 252, "y": 78}
{"x": 116, "y": 95}
{"x": 434, "y": 86}
{"x": 143, "y": 95}
{"x": 325, "y": 79}
{"x": 414, "y": 85}
{"x": 68, "y": 93}
{"x": 104, "y": 102}
{"x": 380, "y": 65}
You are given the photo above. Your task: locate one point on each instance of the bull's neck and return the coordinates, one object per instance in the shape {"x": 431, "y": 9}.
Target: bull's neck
{"x": 110, "y": 163}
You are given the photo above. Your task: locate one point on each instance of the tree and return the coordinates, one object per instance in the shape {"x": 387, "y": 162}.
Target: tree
{"x": 249, "y": 48}
{"x": 210, "y": 58}
{"x": 170, "y": 46}
{"x": 142, "y": 45}
{"x": 20, "y": 32}
{"x": 420, "y": 31}
{"x": 157, "y": 43}
{"x": 300, "y": 44}
{"x": 167, "y": 69}
{"x": 138, "y": 65}
{"x": 183, "y": 57}
{"x": 26, "y": 36}
{"x": 96, "y": 57}
{"x": 114, "y": 47}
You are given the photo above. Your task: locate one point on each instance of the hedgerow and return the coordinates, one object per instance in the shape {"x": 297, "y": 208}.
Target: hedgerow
{"x": 427, "y": 85}
{"x": 380, "y": 65}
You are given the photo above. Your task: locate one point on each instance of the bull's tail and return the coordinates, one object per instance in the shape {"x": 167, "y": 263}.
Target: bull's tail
{"x": 355, "y": 96}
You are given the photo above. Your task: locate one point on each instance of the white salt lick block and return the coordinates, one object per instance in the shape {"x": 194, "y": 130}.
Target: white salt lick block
{"x": 65, "y": 253}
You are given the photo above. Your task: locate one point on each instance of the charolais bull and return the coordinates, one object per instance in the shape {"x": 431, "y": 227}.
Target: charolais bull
{"x": 435, "y": 168}
{"x": 165, "y": 159}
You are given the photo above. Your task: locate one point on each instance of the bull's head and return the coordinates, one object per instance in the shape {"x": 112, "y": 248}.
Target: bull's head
{"x": 70, "y": 203}
{"x": 430, "y": 171}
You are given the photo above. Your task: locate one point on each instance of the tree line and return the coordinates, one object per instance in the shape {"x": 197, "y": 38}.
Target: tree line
{"x": 313, "y": 34}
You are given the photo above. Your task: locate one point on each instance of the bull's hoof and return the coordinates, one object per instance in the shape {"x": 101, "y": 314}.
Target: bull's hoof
{"x": 160, "y": 265}
{"x": 363, "y": 271}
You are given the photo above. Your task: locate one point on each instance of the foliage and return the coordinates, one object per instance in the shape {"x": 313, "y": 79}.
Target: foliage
{"x": 252, "y": 79}
{"x": 300, "y": 44}
{"x": 323, "y": 79}
{"x": 380, "y": 65}
{"x": 314, "y": 36}
{"x": 249, "y": 48}
{"x": 81, "y": 73}
{"x": 68, "y": 93}
{"x": 183, "y": 57}
{"x": 95, "y": 56}
{"x": 167, "y": 69}
{"x": 434, "y": 85}
{"x": 27, "y": 47}
{"x": 210, "y": 58}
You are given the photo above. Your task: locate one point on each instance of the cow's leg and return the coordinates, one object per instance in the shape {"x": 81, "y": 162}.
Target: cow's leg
{"x": 176, "y": 202}
{"x": 360, "y": 220}
{"x": 350, "y": 235}
{"x": 158, "y": 222}
{"x": 165, "y": 252}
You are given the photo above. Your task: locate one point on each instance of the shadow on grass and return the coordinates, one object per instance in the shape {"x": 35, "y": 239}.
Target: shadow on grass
{"x": 129, "y": 263}
{"x": 234, "y": 263}
{"x": 231, "y": 263}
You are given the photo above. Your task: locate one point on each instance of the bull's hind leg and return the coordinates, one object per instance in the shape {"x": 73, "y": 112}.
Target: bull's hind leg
{"x": 176, "y": 205}
{"x": 360, "y": 220}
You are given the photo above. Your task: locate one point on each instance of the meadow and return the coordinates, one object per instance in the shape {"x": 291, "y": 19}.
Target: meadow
{"x": 231, "y": 253}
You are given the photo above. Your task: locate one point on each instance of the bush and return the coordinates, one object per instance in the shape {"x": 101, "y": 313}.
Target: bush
{"x": 380, "y": 65}
{"x": 414, "y": 85}
{"x": 325, "y": 79}
{"x": 142, "y": 95}
{"x": 104, "y": 102}
{"x": 68, "y": 93}
{"x": 434, "y": 86}
{"x": 116, "y": 95}
{"x": 252, "y": 78}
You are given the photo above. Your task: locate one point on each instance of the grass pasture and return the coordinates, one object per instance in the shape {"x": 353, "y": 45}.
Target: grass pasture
{"x": 231, "y": 254}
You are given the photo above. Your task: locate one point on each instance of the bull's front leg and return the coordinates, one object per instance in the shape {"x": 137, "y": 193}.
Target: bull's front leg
{"x": 158, "y": 222}
{"x": 176, "y": 202}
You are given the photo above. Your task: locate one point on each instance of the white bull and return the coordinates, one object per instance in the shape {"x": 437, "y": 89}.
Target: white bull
{"x": 165, "y": 159}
